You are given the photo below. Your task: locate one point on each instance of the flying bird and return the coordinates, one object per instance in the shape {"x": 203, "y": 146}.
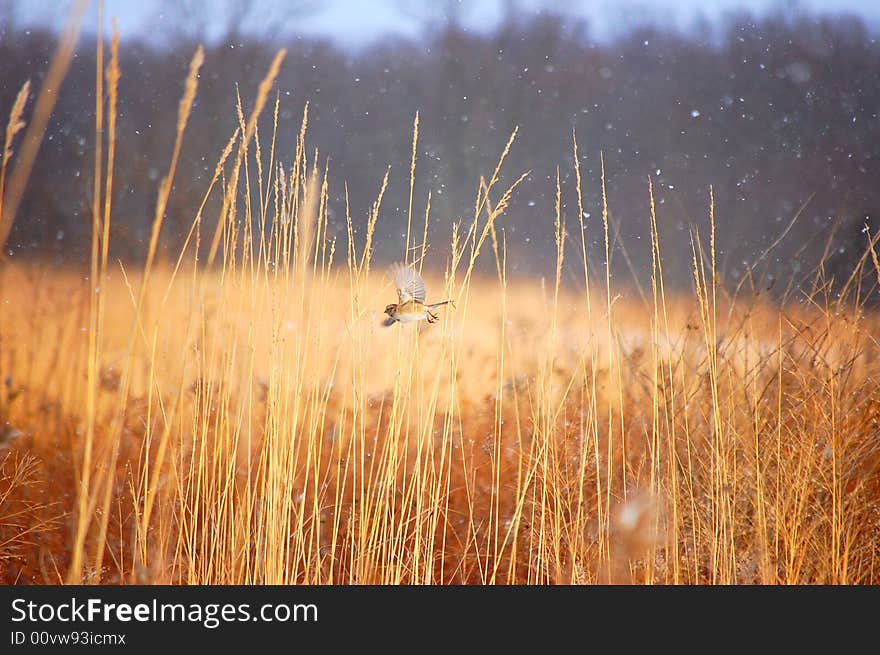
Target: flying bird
{"x": 410, "y": 305}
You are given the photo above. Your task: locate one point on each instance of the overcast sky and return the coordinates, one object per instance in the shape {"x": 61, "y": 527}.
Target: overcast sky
{"x": 359, "y": 22}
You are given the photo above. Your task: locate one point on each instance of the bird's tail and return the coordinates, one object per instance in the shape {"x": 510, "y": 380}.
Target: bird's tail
{"x": 435, "y": 305}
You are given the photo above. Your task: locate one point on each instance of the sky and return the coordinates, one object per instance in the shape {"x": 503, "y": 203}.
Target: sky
{"x": 357, "y": 23}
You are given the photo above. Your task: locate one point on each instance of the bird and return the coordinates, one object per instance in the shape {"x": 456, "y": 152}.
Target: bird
{"x": 410, "y": 305}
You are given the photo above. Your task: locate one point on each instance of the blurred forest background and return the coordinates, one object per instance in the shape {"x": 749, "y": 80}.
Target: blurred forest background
{"x": 774, "y": 111}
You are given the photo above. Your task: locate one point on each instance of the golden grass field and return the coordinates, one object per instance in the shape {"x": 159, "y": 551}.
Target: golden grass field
{"x": 242, "y": 416}
{"x": 255, "y": 433}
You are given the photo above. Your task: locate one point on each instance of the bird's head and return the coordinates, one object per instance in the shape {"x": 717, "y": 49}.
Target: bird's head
{"x": 390, "y": 309}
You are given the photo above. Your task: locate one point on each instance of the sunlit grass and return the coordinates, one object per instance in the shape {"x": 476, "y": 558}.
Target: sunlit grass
{"x": 246, "y": 418}
{"x": 275, "y": 432}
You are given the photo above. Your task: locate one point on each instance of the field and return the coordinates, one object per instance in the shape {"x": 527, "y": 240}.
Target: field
{"x": 235, "y": 412}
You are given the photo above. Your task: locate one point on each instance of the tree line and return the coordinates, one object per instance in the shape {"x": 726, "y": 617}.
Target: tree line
{"x": 777, "y": 113}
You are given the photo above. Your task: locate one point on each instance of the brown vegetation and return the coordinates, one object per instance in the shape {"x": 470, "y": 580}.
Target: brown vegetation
{"x": 249, "y": 420}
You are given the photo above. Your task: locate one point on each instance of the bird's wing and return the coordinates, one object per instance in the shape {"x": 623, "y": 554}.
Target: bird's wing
{"x": 409, "y": 283}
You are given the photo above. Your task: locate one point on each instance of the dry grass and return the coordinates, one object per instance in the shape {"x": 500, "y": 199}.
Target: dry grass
{"x": 269, "y": 435}
{"x": 248, "y": 420}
